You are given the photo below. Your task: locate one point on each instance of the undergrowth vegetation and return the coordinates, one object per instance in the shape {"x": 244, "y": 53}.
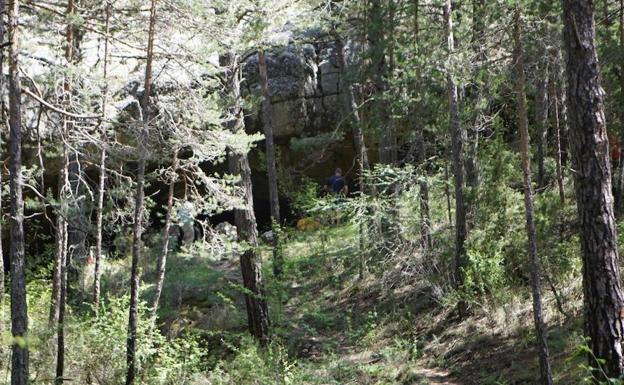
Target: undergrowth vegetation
{"x": 353, "y": 306}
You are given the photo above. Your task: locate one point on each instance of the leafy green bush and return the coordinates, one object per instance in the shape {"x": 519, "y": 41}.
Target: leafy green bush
{"x": 96, "y": 346}
{"x": 254, "y": 366}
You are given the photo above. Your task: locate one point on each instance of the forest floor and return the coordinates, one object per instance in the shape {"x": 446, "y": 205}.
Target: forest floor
{"x": 343, "y": 330}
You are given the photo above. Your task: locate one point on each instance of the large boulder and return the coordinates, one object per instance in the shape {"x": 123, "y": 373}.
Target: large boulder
{"x": 304, "y": 84}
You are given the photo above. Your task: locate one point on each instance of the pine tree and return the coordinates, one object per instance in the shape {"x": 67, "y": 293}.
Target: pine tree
{"x": 602, "y": 286}
{"x": 523, "y": 127}
{"x": 19, "y": 307}
{"x": 458, "y": 138}
{"x": 137, "y": 229}
{"x": 244, "y": 217}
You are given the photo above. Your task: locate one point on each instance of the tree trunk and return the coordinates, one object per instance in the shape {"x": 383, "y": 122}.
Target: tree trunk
{"x": 458, "y": 138}
{"x": 60, "y": 329}
{"x": 421, "y": 153}
{"x": 379, "y": 68}
{"x": 619, "y": 187}
{"x": 162, "y": 258}
{"x": 562, "y": 95}
{"x": 480, "y": 87}
{"x": 137, "y": 230}
{"x": 423, "y": 192}
{"x": 99, "y": 210}
{"x": 78, "y": 220}
{"x": 590, "y": 157}
{"x": 97, "y": 270}
{"x": 137, "y": 245}
{"x": 3, "y": 119}
{"x": 61, "y": 246}
{"x": 541, "y": 118}
{"x": 389, "y": 141}
{"x": 19, "y": 307}
{"x": 447, "y": 193}
{"x": 64, "y": 231}
{"x": 244, "y": 218}
{"x": 557, "y": 127}
{"x": 523, "y": 127}
{"x": 77, "y": 217}
{"x": 267, "y": 120}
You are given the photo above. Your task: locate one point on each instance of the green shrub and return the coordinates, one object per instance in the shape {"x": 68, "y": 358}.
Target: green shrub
{"x": 252, "y": 365}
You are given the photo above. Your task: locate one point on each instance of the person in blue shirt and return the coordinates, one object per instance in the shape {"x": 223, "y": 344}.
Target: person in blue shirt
{"x": 337, "y": 184}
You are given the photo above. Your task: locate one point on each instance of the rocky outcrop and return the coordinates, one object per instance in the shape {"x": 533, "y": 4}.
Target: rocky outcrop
{"x": 305, "y": 85}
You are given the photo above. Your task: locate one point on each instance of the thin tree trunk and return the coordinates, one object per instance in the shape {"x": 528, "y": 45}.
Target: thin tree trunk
{"x": 64, "y": 231}
{"x": 77, "y": 217}
{"x": 61, "y": 249}
{"x": 562, "y": 95}
{"x": 423, "y": 192}
{"x": 458, "y": 138}
{"x": 19, "y": 307}
{"x": 97, "y": 269}
{"x": 590, "y": 155}
{"x": 3, "y": 119}
{"x": 97, "y": 273}
{"x": 61, "y": 264}
{"x": 541, "y": 118}
{"x": 523, "y": 127}
{"x": 162, "y": 258}
{"x": 480, "y": 87}
{"x": 379, "y": 69}
{"x": 620, "y": 171}
{"x": 447, "y": 193}
{"x": 137, "y": 230}
{"x": 558, "y": 162}
{"x": 618, "y": 183}
{"x": 60, "y": 337}
{"x": 389, "y": 140}
{"x": 244, "y": 217}
{"x": 557, "y": 126}
{"x": 421, "y": 155}
{"x": 267, "y": 120}
{"x": 134, "y": 274}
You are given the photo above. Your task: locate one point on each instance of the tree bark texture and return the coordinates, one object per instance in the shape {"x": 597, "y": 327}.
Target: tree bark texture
{"x": 137, "y": 230}
{"x": 619, "y": 187}
{"x": 592, "y": 176}
{"x": 68, "y": 237}
{"x": 19, "y": 307}
{"x": 3, "y": 119}
{"x": 420, "y": 150}
{"x": 458, "y": 138}
{"x": 558, "y": 139}
{"x": 480, "y": 87}
{"x": 244, "y": 217}
{"x": 541, "y": 117}
{"x": 164, "y": 251}
{"x": 534, "y": 261}
{"x": 379, "y": 71}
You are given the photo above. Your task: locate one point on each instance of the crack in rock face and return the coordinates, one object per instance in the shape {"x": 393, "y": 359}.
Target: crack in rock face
{"x": 305, "y": 87}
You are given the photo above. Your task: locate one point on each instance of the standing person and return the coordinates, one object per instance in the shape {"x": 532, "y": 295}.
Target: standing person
{"x": 337, "y": 184}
